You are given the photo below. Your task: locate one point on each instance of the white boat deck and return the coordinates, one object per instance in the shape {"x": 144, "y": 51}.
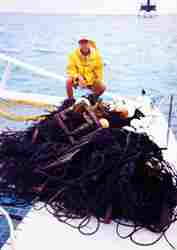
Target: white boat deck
{"x": 41, "y": 230}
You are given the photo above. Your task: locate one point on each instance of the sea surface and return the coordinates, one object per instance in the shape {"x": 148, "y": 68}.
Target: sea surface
{"x": 139, "y": 53}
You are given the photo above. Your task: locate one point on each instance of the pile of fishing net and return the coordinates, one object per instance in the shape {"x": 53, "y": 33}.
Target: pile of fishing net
{"x": 80, "y": 170}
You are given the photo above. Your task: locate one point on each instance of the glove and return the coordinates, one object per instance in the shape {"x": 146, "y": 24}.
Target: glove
{"x": 80, "y": 81}
{"x": 93, "y": 99}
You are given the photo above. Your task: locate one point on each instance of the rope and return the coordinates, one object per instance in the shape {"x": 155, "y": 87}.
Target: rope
{"x": 20, "y": 118}
{"x": 116, "y": 174}
{"x": 4, "y": 105}
{"x": 169, "y": 119}
{"x": 11, "y": 102}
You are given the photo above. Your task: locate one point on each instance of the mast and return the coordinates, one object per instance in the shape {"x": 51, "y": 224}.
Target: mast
{"x": 148, "y": 7}
{"x": 148, "y": 3}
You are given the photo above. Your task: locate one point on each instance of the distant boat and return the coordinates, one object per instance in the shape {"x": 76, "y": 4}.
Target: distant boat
{"x": 148, "y": 9}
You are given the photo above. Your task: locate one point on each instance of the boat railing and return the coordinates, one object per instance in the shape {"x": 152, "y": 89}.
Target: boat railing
{"x": 9, "y": 62}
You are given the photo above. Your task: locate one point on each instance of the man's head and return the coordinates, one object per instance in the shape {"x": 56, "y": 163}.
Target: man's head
{"x": 84, "y": 46}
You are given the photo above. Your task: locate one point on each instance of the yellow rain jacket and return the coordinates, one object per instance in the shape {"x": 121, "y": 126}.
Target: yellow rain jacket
{"x": 90, "y": 67}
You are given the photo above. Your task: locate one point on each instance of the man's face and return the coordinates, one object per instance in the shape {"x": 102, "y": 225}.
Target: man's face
{"x": 84, "y": 46}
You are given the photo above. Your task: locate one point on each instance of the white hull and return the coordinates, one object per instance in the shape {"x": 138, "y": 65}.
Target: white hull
{"x": 147, "y": 14}
{"x": 41, "y": 230}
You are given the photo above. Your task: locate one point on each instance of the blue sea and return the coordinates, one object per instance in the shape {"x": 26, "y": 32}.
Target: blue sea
{"x": 139, "y": 53}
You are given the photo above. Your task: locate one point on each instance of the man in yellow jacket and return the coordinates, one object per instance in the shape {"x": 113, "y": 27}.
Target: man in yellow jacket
{"x": 85, "y": 69}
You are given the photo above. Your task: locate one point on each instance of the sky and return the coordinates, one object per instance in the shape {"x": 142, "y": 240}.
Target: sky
{"x": 83, "y": 6}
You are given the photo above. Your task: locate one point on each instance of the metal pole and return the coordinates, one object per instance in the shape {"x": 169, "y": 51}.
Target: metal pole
{"x": 36, "y": 70}
{"x": 6, "y": 76}
{"x": 148, "y": 3}
{"x": 169, "y": 119}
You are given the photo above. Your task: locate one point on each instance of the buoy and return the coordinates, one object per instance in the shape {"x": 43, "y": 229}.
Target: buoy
{"x": 123, "y": 112}
{"x": 104, "y": 123}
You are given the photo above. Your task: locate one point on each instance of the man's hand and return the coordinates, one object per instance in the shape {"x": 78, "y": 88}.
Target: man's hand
{"x": 81, "y": 82}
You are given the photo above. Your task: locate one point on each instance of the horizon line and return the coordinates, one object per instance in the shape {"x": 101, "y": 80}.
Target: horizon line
{"x": 79, "y": 13}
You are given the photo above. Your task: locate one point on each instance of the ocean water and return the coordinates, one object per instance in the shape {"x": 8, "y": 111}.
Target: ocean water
{"x": 138, "y": 52}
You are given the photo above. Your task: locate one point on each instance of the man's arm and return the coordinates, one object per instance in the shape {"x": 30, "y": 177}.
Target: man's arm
{"x": 71, "y": 69}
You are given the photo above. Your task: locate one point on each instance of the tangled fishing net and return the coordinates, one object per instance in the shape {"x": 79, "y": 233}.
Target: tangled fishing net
{"x": 79, "y": 169}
